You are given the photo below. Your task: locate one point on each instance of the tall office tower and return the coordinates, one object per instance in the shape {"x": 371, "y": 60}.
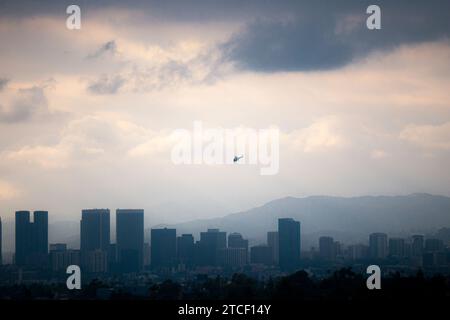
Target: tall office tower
{"x": 378, "y": 245}
{"x": 147, "y": 253}
{"x": 289, "y": 243}
{"x": 163, "y": 248}
{"x": 210, "y": 243}
{"x": 61, "y": 257}
{"x": 40, "y": 234}
{"x": 95, "y": 239}
{"x": 417, "y": 245}
{"x": 273, "y": 242}
{"x": 1, "y": 256}
{"x": 232, "y": 257}
{"x": 397, "y": 247}
{"x": 358, "y": 251}
{"x": 185, "y": 249}
{"x": 327, "y": 248}
{"x": 261, "y": 254}
{"x": 434, "y": 245}
{"x": 235, "y": 240}
{"x": 130, "y": 239}
{"x": 31, "y": 238}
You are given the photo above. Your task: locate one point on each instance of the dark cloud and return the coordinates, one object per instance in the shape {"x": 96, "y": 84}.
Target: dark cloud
{"x": 28, "y": 103}
{"x": 106, "y": 84}
{"x": 283, "y": 35}
{"x": 329, "y": 36}
{"x": 109, "y": 47}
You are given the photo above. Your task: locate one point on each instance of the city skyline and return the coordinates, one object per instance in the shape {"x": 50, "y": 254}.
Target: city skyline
{"x": 98, "y": 254}
{"x": 419, "y": 208}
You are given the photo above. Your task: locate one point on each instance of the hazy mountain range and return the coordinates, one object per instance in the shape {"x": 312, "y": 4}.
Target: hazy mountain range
{"x": 346, "y": 219}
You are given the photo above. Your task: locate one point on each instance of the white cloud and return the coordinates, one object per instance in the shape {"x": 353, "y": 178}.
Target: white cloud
{"x": 323, "y": 134}
{"x": 428, "y": 136}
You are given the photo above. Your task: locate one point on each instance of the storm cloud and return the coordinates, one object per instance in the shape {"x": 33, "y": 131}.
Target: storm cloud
{"x": 327, "y": 37}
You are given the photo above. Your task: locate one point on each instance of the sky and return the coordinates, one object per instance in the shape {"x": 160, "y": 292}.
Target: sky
{"x": 87, "y": 116}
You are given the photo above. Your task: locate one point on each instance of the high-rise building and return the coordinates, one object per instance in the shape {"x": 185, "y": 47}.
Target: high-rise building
{"x": 289, "y": 243}
{"x": 95, "y": 239}
{"x": 378, "y": 245}
{"x": 235, "y": 257}
{"x": 236, "y": 241}
{"x": 273, "y": 242}
{"x": 31, "y": 238}
{"x": 130, "y": 239}
{"x": 397, "y": 247}
{"x": 210, "y": 243}
{"x": 61, "y": 257}
{"x": 433, "y": 245}
{"x": 147, "y": 253}
{"x": 327, "y": 248}
{"x": 163, "y": 248}
{"x": 358, "y": 252}
{"x": 417, "y": 245}
{"x": 261, "y": 254}
{"x": 185, "y": 250}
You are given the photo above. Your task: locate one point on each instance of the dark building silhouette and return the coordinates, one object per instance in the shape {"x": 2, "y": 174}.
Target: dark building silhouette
{"x": 232, "y": 257}
{"x": 163, "y": 248}
{"x": 417, "y": 245}
{"x": 289, "y": 243}
{"x": 433, "y": 245}
{"x": 397, "y": 247}
{"x": 185, "y": 249}
{"x": 61, "y": 257}
{"x": 261, "y": 254}
{"x": 147, "y": 253}
{"x": 31, "y": 239}
{"x": 236, "y": 241}
{"x": 208, "y": 247}
{"x": 273, "y": 241}
{"x": 95, "y": 239}
{"x": 378, "y": 245}
{"x": 327, "y": 248}
{"x": 130, "y": 239}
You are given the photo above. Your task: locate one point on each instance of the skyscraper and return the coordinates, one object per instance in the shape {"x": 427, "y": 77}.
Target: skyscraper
{"x": 95, "y": 239}
{"x": 163, "y": 248}
{"x": 232, "y": 257}
{"x": 433, "y": 245}
{"x": 417, "y": 245}
{"x": 327, "y": 248}
{"x": 261, "y": 254}
{"x": 378, "y": 245}
{"x": 185, "y": 249}
{"x": 210, "y": 243}
{"x": 289, "y": 243}
{"x": 31, "y": 238}
{"x": 236, "y": 241}
{"x": 130, "y": 239}
{"x": 397, "y": 247}
{"x": 273, "y": 243}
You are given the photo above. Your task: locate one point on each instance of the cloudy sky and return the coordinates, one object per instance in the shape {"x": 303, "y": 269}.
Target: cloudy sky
{"x": 86, "y": 115}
